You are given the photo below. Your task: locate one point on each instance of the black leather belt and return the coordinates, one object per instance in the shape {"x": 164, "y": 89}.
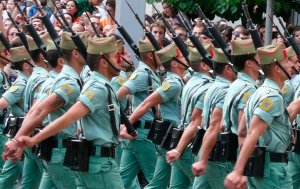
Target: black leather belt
{"x": 278, "y": 157}
{"x": 103, "y": 151}
{"x": 139, "y": 124}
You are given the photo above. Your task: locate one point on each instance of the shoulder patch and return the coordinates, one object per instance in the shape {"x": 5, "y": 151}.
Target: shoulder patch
{"x": 133, "y": 76}
{"x": 165, "y": 86}
{"x": 89, "y": 94}
{"x": 67, "y": 89}
{"x": 266, "y": 104}
{"x": 285, "y": 89}
{"x": 246, "y": 97}
{"x": 121, "y": 80}
{"x": 13, "y": 88}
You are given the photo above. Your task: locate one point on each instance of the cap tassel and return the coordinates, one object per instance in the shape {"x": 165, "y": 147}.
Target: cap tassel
{"x": 286, "y": 55}
{"x": 211, "y": 52}
{"x": 119, "y": 58}
{"x": 123, "y": 50}
{"x": 178, "y": 53}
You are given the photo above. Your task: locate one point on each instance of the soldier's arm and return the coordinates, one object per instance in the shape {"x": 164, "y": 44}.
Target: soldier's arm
{"x": 122, "y": 93}
{"x": 38, "y": 113}
{"x": 190, "y": 131}
{"x": 151, "y": 101}
{"x": 76, "y": 112}
{"x": 3, "y": 103}
{"x": 210, "y": 137}
{"x": 294, "y": 109}
{"x": 242, "y": 130}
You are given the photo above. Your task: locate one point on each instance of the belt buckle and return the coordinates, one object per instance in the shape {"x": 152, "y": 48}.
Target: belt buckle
{"x": 111, "y": 107}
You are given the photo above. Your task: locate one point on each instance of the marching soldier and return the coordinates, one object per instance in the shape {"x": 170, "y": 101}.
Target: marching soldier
{"x": 98, "y": 107}
{"x": 14, "y": 97}
{"x": 268, "y": 127}
{"x": 62, "y": 95}
{"x": 140, "y": 153}
{"x": 192, "y": 105}
{"x": 212, "y": 117}
{"x": 167, "y": 99}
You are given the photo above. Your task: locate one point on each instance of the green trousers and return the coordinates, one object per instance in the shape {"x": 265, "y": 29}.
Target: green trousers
{"x": 294, "y": 168}
{"x": 214, "y": 176}
{"x": 162, "y": 173}
{"x": 181, "y": 172}
{"x": 103, "y": 174}
{"x": 32, "y": 166}
{"x": 10, "y": 174}
{"x": 3, "y": 140}
{"x": 57, "y": 175}
{"x": 137, "y": 155}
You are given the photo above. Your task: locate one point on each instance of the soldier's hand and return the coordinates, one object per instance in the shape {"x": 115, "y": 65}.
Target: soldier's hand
{"x": 172, "y": 156}
{"x": 199, "y": 168}
{"x": 124, "y": 134}
{"x": 27, "y": 141}
{"x": 293, "y": 109}
{"x": 13, "y": 150}
{"x": 235, "y": 180}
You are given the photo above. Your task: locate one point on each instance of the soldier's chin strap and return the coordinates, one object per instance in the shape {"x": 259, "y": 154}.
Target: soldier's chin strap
{"x": 180, "y": 62}
{"x": 297, "y": 72}
{"x": 5, "y": 58}
{"x": 284, "y": 71}
{"x": 131, "y": 68}
{"x": 109, "y": 63}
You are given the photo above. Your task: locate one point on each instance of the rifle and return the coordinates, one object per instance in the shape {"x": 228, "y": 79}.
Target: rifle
{"x": 125, "y": 121}
{"x": 251, "y": 27}
{"x": 285, "y": 41}
{"x": 74, "y": 36}
{"x": 214, "y": 32}
{"x": 290, "y": 38}
{"x": 93, "y": 26}
{"x": 176, "y": 38}
{"x": 4, "y": 41}
{"x": 56, "y": 17}
{"x": 42, "y": 47}
{"x": 195, "y": 41}
{"x": 20, "y": 33}
{"x": 148, "y": 34}
{"x": 125, "y": 34}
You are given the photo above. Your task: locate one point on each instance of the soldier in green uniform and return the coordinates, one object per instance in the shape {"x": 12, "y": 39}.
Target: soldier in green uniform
{"x": 62, "y": 95}
{"x": 212, "y": 116}
{"x": 267, "y": 123}
{"x": 295, "y": 81}
{"x": 167, "y": 99}
{"x": 5, "y": 85}
{"x": 191, "y": 110}
{"x": 100, "y": 119}
{"x": 14, "y": 98}
{"x": 139, "y": 154}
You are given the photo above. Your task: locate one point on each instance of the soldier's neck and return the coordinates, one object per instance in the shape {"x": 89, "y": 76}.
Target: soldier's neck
{"x": 76, "y": 66}
{"x": 278, "y": 80}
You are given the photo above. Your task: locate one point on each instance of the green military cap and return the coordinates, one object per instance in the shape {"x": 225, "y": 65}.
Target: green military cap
{"x": 145, "y": 46}
{"x": 195, "y": 56}
{"x": 102, "y": 46}
{"x": 19, "y": 54}
{"x": 48, "y": 42}
{"x": 2, "y": 47}
{"x": 120, "y": 46}
{"x": 271, "y": 53}
{"x": 242, "y": 47}
{"x": 31, "y": 43}
{"x": 167, "y": 53}
{"x": 67, "y": 42}
{"x": 219, "y": 56}
{"x": 290, "y": 51}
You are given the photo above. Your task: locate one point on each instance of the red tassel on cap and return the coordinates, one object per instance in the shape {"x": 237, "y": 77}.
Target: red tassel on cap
{"x": 211, "y": 52}
{"x": 178, "y": 53}
{"x": 123, "y": 50}
{"x": 286, "y": 55}
{"x": 119, "y": 58}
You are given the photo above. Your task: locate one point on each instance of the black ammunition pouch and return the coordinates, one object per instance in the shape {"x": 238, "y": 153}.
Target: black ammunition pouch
{"x": 138, "y": 124}
{"x": 12, "y": 126}
{"x": 46, "y": 146}
{"x": 68, "y": 159}
{"x": 226, "y": 148}
{"x": 176, "y": 135}
{"x": 256, "y": 163}
{"x": 151, "y": 133}
{"x": 160, "y": 131}
{"x": 197, "y": 141}
{"x": 80, "y": 154}
{"x": 297, "y": 144}
{"x": 166, "y": 141}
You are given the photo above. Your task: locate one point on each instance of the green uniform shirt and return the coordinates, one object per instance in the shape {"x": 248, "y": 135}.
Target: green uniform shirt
{"x": 97, "y": 123}
{"x": 241, "y": 89}
{"x": 15, "y": 95}
{"x": 67, "y": 86}
{"x": 117, "y": 83}
{"x": 195, "y": 90}
{"x": 33, "y": 87}
{"x": 170, "y": 92}
{"x": 138, "y": 87}
{"x": 288, "y": 92}
{"x": 214, "y": 97}
{"x": 45, "y": 89}
{"x": 296, "y": 81}
{"x": 269, "y": 105}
